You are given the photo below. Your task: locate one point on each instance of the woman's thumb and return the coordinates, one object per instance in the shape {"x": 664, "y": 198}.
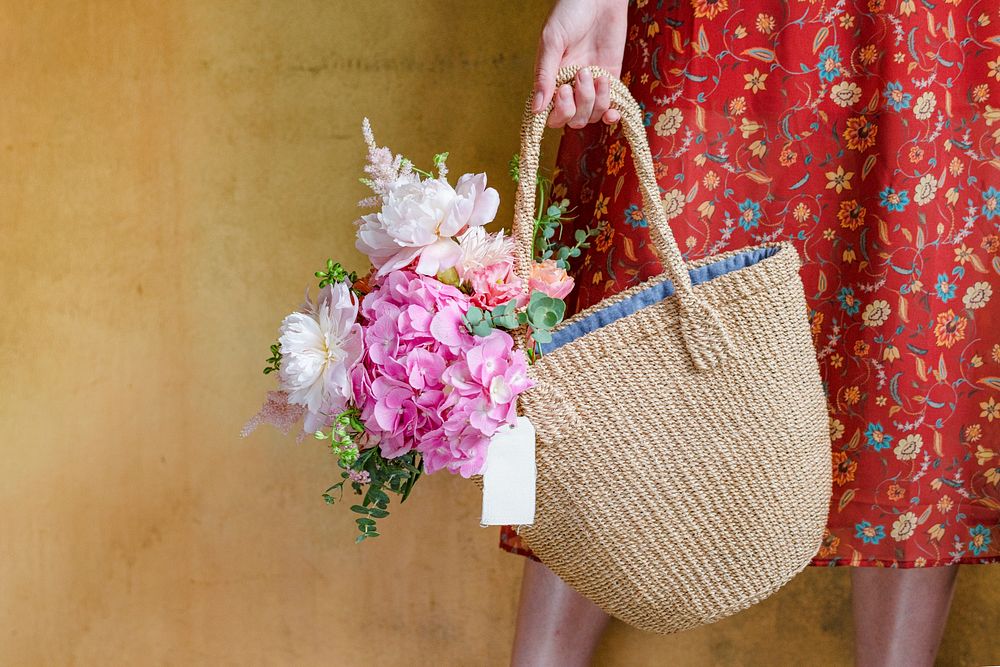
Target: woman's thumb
{"x": 550, "y": 52}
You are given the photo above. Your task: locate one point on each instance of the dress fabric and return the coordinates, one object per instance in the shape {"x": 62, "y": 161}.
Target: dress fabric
{"x": 866, "y": 132}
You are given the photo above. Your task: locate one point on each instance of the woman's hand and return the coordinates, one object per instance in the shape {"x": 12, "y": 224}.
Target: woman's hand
{"x": 580, "y": 32}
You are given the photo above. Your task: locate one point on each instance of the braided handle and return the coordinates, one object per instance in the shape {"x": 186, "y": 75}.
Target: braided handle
{"x": 704, "y": 334}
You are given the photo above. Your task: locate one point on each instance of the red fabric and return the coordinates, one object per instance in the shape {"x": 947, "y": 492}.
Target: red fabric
{"x": 866, "y": 133}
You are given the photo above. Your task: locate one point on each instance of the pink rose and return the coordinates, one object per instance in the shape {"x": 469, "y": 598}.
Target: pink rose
{"x": 549, "y": 278}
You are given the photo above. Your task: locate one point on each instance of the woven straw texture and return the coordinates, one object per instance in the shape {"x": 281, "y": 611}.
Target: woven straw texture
{"x": 683, "y": 451}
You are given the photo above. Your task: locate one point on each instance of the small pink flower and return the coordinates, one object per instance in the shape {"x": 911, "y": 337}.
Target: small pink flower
{"x": 489, "y": 358}
{"x": 549, "y": 278}
{"x": 423, "y": 369}
{"x": 360, "y": 476}
{"x": 394, "y": 408}
{"x": 447, "y": 327}
{"x": 496, "y": 285}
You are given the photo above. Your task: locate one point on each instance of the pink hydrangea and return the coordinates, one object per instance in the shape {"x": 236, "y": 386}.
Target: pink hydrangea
{"x": 426, "y": 383}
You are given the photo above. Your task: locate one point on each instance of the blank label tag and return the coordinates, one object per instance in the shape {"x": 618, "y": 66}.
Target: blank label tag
{"x": 509, "y": 476}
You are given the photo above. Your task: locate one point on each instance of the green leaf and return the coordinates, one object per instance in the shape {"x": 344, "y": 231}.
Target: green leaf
{"x": 359, "y": 509}
{"x": 580, "y": 235}
{"x": 506, "y": 321}
{"x": 541, "y": 336}
{"x": 514, "y": 168}
{"x": 474, "y": 314}
{"x": 377, "y": 513}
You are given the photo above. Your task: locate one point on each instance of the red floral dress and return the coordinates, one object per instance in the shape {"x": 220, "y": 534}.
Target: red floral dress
{"x": 867, "y": 133}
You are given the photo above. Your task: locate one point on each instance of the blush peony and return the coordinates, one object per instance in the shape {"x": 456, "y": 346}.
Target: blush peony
{"x": 419, "y": 219}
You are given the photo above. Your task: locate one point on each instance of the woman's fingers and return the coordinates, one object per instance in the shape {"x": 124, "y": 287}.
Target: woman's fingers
{"x": 602, "y": 101}
{"x": 587, "y": 101}
{"x": 584, "y": 95}
{"x": 564, "y": 107}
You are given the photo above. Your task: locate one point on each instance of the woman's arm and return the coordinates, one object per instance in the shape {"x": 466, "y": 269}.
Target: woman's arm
{"x": 580, "y": 32}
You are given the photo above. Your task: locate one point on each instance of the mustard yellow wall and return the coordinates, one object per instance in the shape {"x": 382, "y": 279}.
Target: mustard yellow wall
{"x": 170, "y": 175}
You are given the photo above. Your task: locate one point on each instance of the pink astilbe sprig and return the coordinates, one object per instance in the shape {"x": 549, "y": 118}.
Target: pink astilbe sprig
{"x": 277, "y": 412}
{"x": 383, "y": 168}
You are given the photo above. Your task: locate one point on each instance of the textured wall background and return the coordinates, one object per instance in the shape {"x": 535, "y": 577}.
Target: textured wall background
{"x": 172, "y": 173}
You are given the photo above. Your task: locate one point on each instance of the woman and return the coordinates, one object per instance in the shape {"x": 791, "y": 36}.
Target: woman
{"x": 862, "y": 130}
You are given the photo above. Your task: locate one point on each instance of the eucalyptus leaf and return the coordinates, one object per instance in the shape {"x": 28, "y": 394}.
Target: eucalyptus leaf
{"x": 542, "y": 335}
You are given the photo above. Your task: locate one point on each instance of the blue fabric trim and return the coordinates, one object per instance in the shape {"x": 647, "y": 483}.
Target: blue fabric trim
{"x": 652, "y": 295}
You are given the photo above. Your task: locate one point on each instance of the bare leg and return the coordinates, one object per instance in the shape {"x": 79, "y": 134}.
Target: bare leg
{"x": 556, "y": 626}
{"x": 900, "y": 614}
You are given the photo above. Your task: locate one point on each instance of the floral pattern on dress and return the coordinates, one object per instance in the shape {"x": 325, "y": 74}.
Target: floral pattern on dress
{"x": 865, "y": 132}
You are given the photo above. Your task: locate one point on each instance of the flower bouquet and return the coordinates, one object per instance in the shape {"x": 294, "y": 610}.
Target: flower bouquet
{"x": 414, "y": 367}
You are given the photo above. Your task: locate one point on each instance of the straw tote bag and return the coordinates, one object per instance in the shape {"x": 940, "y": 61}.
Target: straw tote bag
{"x": 683, "y": 450}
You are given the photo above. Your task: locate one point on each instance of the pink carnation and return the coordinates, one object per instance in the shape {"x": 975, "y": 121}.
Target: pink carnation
{"x": 549, "y": 278}
{"x": 496, "y": 285}
{"x": 426, "y": 383}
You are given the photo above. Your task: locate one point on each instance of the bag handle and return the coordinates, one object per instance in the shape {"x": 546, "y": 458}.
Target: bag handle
{"x": 704, "y": 335}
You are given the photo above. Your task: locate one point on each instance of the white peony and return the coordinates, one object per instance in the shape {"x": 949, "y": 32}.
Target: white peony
{"x": 418, "y": 220}
{"x": 319, "y": 346}
{"x": 480, "y": 249}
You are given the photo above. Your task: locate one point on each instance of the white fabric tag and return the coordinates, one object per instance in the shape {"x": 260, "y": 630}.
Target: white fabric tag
{"x": 509, "y": 476}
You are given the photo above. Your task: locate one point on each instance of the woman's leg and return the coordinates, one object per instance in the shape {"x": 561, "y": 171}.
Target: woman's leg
{"x": 899, "y": 614}
{"x": 555, "y": 625}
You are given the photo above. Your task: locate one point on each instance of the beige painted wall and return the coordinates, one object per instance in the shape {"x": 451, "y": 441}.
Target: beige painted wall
{"x": 170, "y": 175}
